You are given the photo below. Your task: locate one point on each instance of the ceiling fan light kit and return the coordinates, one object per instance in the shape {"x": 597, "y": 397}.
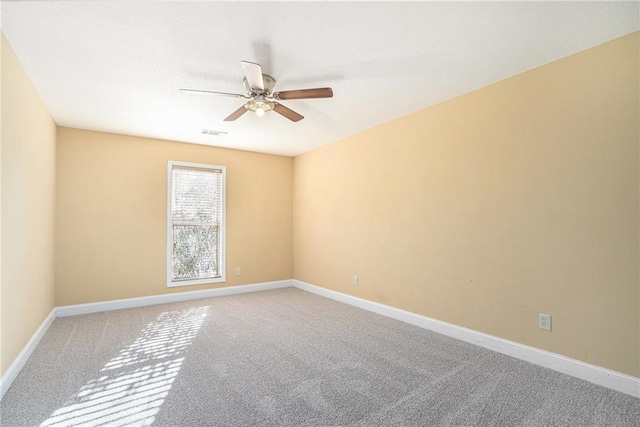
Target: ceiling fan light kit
{"x": 261, "y": 97}
{"x": 259, "y": 105}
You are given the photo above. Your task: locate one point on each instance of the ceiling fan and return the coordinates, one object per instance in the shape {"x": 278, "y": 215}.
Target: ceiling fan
{"x": 261, "y": 97}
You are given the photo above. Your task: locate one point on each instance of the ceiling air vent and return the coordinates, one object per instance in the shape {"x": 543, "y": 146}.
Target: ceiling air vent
{"x": 213, "y": 132}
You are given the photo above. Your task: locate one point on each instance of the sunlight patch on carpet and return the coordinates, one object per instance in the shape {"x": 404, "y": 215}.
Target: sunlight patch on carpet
{"x": 132, "y": 386}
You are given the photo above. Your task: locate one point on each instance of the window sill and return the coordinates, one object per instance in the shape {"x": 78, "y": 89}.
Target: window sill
{"x": 181, "y": 283}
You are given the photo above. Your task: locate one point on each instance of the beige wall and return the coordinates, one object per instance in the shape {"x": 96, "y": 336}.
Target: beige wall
{"x": 483, "y": 211}
{"x": 28, "y": 208}
{"x": 3, "y": 43}
{"x": 111, "y": 217}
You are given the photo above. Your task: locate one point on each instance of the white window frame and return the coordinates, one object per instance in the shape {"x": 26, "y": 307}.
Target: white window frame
{"x": 222, "y": 233}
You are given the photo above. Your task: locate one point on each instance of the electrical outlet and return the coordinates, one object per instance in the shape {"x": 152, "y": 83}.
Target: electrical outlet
{"x": 356, "y": 281}
{"x": 544, "y": 322}
{"x": 238, "y": 271}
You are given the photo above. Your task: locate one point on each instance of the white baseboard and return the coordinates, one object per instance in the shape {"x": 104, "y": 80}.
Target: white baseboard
{"x": 592, "y": 373}
{"x": 595, "y": 374}
{"x": 14, "y": 369}
{"x": 96, "y": 307}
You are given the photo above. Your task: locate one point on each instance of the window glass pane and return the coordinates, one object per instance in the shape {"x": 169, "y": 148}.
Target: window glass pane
{"x": 195, "y": 252}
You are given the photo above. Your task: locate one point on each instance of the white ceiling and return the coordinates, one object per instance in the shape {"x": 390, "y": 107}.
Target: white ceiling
{"x": 117, "y": 66}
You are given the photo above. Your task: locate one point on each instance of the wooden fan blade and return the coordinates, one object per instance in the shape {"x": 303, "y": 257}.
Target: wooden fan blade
{"x": 208, "y": 92}
{"x": 287, "y": 112}
{"x": 253, "y": 73}
{"x": 233, "y": 116}
{"x": 322, "y": 92}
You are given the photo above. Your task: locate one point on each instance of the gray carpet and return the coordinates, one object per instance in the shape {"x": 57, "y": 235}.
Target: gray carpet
{"x": 286, "y": 357}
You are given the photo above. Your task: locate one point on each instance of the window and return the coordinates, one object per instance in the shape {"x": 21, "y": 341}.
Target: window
{"x": 195, "y": 223}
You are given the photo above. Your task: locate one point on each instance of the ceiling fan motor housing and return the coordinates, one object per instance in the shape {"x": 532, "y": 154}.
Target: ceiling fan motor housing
{"x": 269, "y": 83}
